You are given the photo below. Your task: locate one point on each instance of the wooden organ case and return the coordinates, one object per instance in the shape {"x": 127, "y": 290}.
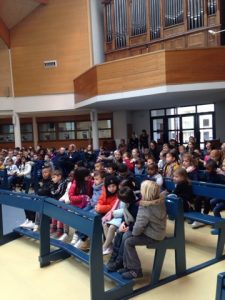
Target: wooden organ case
{"x": 134, "y": 27}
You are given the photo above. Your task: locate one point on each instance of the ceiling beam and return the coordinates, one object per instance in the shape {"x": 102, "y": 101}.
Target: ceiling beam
{"x": 4, "y": 33}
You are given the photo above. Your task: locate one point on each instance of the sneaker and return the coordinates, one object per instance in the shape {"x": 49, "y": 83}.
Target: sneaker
{"x": 197, "y": 224}
{"x": 83, "y": 245}
{"x": 132, "y": 274}
{"x": 75, "y": 239}
{"x": 29, "y": 225}
{"x": 107, "y": 251}
{"x": 24, "y": 223}
{"x": 36, "y": 228}
{"x": 63, "y": 237}
{"x": 114, "y": 266}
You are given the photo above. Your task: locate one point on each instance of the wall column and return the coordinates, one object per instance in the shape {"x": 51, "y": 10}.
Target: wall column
{"x": 35, "y": 132}
{"x": 17, "y": 132}
{"x": 94, "y": 126}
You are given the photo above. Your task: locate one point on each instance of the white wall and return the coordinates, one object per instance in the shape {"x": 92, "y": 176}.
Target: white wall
{"x": 140, "y": 120}
{"x": 97, "y": 28}
{"x": 120, "y": 119}
{"x": 220, "y": 115}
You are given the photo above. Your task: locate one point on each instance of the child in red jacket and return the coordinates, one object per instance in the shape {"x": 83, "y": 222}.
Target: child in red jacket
{"x": 109, "y": 195}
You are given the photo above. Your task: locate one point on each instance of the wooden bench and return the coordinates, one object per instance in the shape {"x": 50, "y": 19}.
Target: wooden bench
{"x": 206, "y": 190}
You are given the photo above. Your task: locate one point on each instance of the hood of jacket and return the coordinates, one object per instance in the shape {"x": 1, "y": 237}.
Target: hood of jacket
{"x": 158, "y": 201}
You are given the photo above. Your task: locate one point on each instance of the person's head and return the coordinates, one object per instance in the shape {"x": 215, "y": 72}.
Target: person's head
{"x": 126, "y": 195}
{"x": 117, "y": 155}
{"x": 71, "y": 147}
{"x": 162, "y": 155}
{"x": 208, "y": 146}
{"x": 10, "y": 153}
{"x": 171, "y": 157}
{"x": 46, "y": 173}
{"x": 191, "y": 146}
{"x": 135, "y": 153}
{"x": 57, "y": 176}
{"x": 126, "y": 155}
{"x": 180, "y": 175}
{"x": 144, "y": 132}
{"x": 10, "y": 161}
{"x": 47, "y": 157}
{"x": 188, "y": 160}
{"x": 211, "y": 166}
{"x": 149, "y": 190}
{"x": 223, "y": 147}
{"x": 152, "y": 169}
{"x": 173, "y": 143}
{"x": 62, "y": 150}
{"x": 192, "y": 139}
{"x": 24, "y": 159}
{"x": 166, "y": 147}
{"x": 122, "y": 141}
{"x": 71, "y": 175}
{"x": 81, "y": 174}
{"x": 150, "y": 161}
{"x": 111, "y": 185}
{"x": 99, "y": 166}
{"x": 139, "y": 163}
{"x": 122, "y": 170}
{"x": 127, "y": 182}
{"x": 153, "y": 145}
{"x": 215, "y": 155}
{"x": 182, "y": 149}
{"x": 89, "y": 147}
{"x": 111, "y": 168}
{"x": 99, "y": 177}
{"x": 1, "y": 161}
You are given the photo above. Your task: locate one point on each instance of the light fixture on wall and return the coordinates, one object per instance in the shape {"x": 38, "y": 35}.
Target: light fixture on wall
{"x": 213, "y": 32}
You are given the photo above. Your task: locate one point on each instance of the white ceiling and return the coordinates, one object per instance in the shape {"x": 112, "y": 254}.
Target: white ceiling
{"x": 13, "y": 11}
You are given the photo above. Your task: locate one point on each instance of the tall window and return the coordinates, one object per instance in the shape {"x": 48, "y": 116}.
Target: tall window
{"x": 26, "y": 132}
{"x": 182, "y": 122}
{"x": 6, "y": 133}
{"x": 47, "y": 132}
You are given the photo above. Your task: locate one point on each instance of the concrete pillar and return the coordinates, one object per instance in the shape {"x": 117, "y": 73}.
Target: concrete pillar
{"x": 35, "y": 132}
{"x": 17, "y": 132}
{"x": 94, "y": 126}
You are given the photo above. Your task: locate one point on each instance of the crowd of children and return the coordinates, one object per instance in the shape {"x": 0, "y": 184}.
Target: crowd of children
{"x": 133, "y": 212}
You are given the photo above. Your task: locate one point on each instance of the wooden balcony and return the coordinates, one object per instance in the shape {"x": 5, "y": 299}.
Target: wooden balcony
{"x": 165, "y": 67}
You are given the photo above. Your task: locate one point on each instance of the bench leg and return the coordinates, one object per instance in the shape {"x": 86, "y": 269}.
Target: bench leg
{"x": 44, "y": 257}
{"x": 220, "y": 243}
{"x": 180, "y": 260}
{"x": 157, "y": 265}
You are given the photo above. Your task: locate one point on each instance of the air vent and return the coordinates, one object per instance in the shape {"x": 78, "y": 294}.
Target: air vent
{"x": 50, "y": 64}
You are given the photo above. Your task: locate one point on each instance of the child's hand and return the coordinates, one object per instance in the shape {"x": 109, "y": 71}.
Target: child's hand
{"x": 123, "y": 227}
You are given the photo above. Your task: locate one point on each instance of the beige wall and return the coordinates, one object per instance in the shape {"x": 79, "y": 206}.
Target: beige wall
{"x": 5, "y": 77}
{"x": 58, "y": 30}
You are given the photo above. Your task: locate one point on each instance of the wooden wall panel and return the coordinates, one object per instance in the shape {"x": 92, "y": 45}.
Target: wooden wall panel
{"x": 4, "y": 33}
{"x": 134, "y": 73}
{"x": 58, "y": 30}
{"x": 5, "y": 76}
{"x": 195, "y": 65}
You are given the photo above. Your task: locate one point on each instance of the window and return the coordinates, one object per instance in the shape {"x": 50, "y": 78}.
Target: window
{"x": 6, "y": 133}
{"x": 83, "y": 130}
{"x": 105, "y": 129}
{"x": 182, "y": 122}
{"x": 26, "y": 132}
{"x": 66, "y": 131}
{"x": 47, "y": 132}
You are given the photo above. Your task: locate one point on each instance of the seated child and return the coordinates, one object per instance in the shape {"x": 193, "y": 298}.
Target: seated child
{"x": 171, "y": 164}
{"x": 153, "y": 174}
{"x": 189, "y": 165}
{"x": 183, "y": 188}
{"x": 150, "y": 227}
{"x": 57, "y": 191}
{"x": 109, "y": 195}
{"x": 127, "y": 161}
{"x": 126, "y": 195}
{"x": 162, "y": 161}
{"x": 139, "y": 168}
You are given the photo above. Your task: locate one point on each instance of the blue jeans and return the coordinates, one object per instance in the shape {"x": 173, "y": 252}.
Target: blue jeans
{"x": 217, "y": 206}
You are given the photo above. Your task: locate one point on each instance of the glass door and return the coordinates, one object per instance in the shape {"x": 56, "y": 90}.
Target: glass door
{"x": 174, "y": 128}
{"x": 187, "y": 128}
{"x": 205, "y": 128}
{"x": 158, "y": 130}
